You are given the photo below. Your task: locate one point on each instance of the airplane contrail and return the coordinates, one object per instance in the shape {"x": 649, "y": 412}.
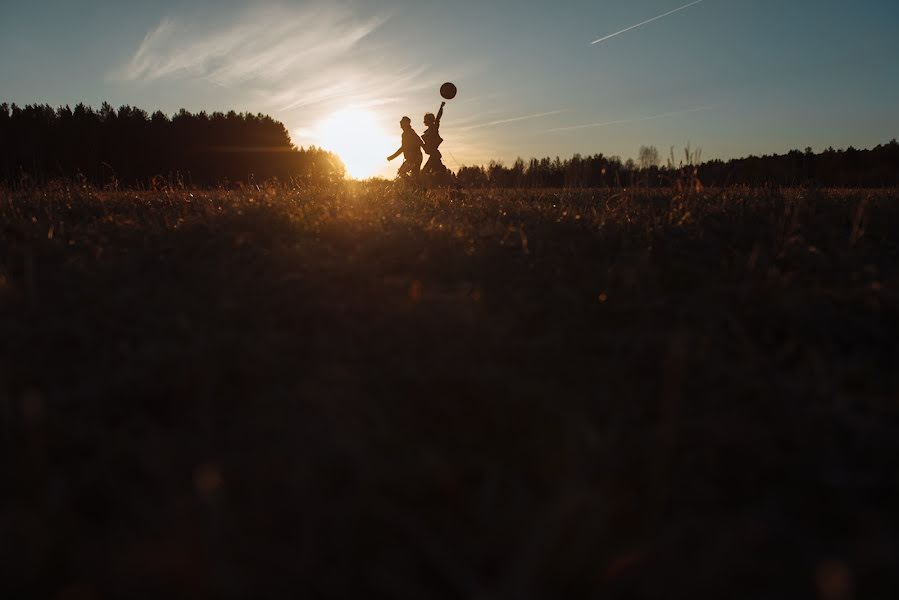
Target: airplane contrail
{"x": 636, "y": 120}
{"x": 670, "y": 12}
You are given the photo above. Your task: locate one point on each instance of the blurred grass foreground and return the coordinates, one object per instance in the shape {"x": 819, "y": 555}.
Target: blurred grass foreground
{"x": 359, "y": 391}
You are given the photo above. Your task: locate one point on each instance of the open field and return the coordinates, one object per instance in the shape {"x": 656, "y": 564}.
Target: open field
{"x": 498, "y": 394}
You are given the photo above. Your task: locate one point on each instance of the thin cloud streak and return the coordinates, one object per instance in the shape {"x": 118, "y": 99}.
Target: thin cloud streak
{"x": 524, "y": 118}
{"x": 466, "y": 121}
{"x": 512, "y": 120}
{"x": 297, "y": 63}
{"x": 628, "y": 121}
{"x": 263, "y": 45}
{"x": 346, "y": 85}
{"x": 647, "y": 22}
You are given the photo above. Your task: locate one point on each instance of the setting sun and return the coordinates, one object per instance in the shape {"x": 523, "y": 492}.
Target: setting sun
{"x": 360, "y": 141}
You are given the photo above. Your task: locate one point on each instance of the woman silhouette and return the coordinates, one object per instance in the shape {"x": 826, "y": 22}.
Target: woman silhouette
{"x": 434, "y": 168}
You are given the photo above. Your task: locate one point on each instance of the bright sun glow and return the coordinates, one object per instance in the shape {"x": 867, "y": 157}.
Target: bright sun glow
{"x": 357, "y": 137}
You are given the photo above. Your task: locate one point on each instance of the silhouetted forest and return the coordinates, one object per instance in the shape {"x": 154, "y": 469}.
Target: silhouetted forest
{"x": 132, "y": 147}
{"x": 874, "y": 168}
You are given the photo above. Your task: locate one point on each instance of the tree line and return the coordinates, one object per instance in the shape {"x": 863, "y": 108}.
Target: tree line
{"x": 874, "y": 168}
{"x": 132, "y": 147}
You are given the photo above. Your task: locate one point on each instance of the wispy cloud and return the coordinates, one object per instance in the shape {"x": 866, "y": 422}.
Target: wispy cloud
{"x": 524, "y": 118}
{"x": 347, "y": 84}
{"x": 298, "y": 63}
{"x": 265, "y": 44}
{"x": 512, "y": 120}
{"x": 646, "y": 22}
{"x": 633, "y": 120}
{"x": 466, "y": 121}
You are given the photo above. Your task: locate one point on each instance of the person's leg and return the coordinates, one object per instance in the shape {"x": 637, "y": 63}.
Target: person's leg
{"x": 435, "y": 170}
{"x": 404, "y": 170}
{"x": 424, "y": 177}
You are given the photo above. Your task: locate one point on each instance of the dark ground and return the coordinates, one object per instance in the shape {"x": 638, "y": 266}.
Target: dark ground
{"x": 355, "y": 392}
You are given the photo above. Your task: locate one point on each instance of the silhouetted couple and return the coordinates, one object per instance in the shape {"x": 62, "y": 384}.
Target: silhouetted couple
{"x": 411, "y": 147}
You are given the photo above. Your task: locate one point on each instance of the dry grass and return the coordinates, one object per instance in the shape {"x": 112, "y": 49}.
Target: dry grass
{"x": 357, "y": 391}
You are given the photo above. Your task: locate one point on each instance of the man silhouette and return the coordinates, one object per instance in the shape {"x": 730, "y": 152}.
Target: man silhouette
{"x": 411, "y": 151}
{"x": 431, "y": 141}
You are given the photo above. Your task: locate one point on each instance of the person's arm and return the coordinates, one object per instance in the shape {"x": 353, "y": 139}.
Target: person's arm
{"x": 395, "y": 154}
{"x": 440, "y": 113}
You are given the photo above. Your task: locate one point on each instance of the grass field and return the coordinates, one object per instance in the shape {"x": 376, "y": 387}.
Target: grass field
{"x": 357, "y": 391}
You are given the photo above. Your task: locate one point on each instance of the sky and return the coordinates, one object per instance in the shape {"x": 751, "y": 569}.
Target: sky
{"x": 732, "y": 77}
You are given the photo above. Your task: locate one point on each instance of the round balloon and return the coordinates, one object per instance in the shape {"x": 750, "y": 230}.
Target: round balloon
{"x": 448, "y": 90}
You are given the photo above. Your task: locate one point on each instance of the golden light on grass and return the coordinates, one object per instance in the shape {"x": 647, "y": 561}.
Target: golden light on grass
{"x": 358, "y": 138}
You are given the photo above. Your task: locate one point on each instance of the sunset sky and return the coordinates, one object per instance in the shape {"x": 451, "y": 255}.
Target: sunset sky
{"x": 733, "y": 77}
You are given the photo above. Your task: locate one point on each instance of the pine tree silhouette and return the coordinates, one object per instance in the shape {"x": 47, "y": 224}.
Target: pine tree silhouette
{"x": 132, "y": 147}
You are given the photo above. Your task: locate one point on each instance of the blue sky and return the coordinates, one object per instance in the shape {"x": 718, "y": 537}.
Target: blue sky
{"x": 733, "y": 77}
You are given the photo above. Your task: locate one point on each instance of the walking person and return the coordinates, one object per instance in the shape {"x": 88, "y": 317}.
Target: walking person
{"x": 411, "y": 151}
{"x": 434, "y": 170}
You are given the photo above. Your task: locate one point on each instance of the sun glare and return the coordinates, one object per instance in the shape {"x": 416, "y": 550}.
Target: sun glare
{"x": 360, "y": 141}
